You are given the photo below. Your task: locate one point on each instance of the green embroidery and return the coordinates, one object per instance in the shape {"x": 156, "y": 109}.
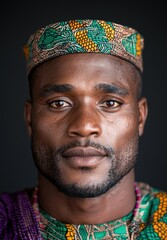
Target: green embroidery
{"x": 150, "y": 222}
{"x": 130, "y": 43}
{"x": 55, "y": 228}
{"x": 80, "y": 36}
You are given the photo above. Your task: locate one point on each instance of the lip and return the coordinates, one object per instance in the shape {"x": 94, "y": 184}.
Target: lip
{"x": 83, "y": 157}
{"x": 83, "y": 152}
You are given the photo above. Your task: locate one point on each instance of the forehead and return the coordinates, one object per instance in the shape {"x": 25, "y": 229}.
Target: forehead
{"x": 85, "y": 69}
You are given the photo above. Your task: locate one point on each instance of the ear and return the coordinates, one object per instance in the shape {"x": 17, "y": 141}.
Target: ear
{"x": 143, "y": 112}
{"x": 27, "y": 116}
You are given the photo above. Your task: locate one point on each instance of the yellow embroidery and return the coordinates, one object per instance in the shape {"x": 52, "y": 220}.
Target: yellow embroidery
{"x": 82, "y": 37}
{"x": 142, "y": 226}
{"x": 138, "y": 45}
{"x": 160, "y": 227}
{"x": 70, "y": 235}
{"x": 74, "y": 25}
{"x": 110, "y": 32}
{"x": 26, "y": 51}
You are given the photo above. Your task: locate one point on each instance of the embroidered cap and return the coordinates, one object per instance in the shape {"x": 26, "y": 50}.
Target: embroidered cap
{"x": 84, "y": 36}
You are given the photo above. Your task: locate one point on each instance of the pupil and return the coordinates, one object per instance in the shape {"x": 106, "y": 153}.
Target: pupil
{"x": 109, "y": 103}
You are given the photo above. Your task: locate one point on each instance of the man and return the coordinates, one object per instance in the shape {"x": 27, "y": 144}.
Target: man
{"x": 85, "y": 117}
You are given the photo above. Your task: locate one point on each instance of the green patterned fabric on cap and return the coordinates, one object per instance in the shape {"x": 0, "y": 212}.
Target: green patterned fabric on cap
{"x": 84, "y": 36}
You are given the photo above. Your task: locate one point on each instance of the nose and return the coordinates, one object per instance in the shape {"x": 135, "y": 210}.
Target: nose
{"x": 84, "y": 122}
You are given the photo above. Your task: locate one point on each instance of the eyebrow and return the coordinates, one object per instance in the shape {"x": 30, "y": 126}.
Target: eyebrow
{"x": 109, "y": 88}
{"x": 47, "y": 90}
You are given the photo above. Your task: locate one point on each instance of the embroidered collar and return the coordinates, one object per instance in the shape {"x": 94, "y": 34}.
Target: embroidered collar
{"x": 51, "y": 228}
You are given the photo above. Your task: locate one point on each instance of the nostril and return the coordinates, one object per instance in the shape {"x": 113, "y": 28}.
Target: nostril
{"x": 84, "y": 130}
{"x": 84, "y": 122}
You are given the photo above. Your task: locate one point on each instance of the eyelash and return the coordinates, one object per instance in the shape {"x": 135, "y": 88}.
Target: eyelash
{"x": 63, "y": 105}
{"x": 58, "y": 102}
{"x": 113, "y": 103}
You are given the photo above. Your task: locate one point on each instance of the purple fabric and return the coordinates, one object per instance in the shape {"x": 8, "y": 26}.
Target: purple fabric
{"x": 17, "y": 217}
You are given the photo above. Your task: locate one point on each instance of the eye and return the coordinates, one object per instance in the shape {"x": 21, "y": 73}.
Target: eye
{"x": 110, "y": 104}
{"x": 59, "y": 104}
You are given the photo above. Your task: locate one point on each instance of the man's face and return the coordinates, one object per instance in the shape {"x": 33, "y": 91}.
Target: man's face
{"x": 85, "y": 121}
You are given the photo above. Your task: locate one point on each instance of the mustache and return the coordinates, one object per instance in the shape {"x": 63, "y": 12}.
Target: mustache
{"x": 106, "y": 149}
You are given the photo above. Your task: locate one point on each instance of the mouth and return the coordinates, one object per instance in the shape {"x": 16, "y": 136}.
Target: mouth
{"x": 83, "y": 157}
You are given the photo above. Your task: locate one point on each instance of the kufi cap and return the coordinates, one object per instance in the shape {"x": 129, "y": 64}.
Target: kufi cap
{"x": 84, "y": 36}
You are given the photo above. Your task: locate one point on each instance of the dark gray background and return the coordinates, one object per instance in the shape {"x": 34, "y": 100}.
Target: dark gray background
{"x": 18, "y": 21}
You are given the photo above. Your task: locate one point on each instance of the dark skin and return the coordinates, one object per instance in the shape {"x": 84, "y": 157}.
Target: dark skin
{"x": 86, "y": 98}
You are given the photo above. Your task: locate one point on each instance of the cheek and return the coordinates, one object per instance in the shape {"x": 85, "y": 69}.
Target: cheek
{"x": 121, "y": 130}
{"x": 47, "y": 130}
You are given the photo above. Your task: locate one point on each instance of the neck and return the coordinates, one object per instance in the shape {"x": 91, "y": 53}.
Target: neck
{"x": 116, "y": 203}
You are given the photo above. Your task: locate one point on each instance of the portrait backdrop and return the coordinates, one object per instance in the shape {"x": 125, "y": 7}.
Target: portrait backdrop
{"x": 18, "y": 21}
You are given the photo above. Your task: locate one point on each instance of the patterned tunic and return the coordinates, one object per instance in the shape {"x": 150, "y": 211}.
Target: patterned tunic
{"x": 19, "y": 220}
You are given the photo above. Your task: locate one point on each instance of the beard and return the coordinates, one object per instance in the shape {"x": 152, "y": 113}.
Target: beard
{"x": 47, "y": 161}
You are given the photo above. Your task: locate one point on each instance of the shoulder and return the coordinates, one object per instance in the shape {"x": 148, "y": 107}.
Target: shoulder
{"x": 9, "y": 210}
{"x": 6, "y": 209}
{"x": 151, "y": 193}
{"x": 153, "y": 198}
{"x": 153, "y": 212}
{"x": 6, "y": 205}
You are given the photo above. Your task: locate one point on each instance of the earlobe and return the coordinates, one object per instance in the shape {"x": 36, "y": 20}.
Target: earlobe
{"x": 27, "y": 116}
{"x": 143, "y": 112}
